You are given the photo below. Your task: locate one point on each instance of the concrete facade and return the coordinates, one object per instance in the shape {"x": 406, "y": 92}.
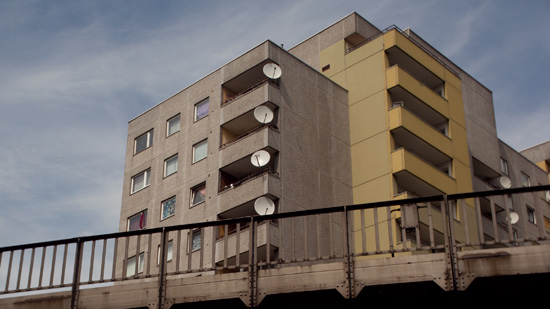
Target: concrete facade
{"x": 307, "y": 142}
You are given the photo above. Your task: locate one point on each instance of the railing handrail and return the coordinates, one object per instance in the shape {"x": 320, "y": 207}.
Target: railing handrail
{"x": 299, "y": 213}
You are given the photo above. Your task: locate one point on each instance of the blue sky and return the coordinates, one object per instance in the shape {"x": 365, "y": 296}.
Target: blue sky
{"x": 73, "y": 73}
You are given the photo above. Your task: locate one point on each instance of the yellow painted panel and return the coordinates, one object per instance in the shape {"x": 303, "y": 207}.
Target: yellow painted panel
{"x": 375, "y": 190}
{"x": 365, "y": 51}
{"x": 333, "y": 56}
{"x": 456, "y": 105}
{"x": 460, "y": 142}
{"x": 340, "y": 79}
{"x": 368, "y": 117}
{"x": 365, "y": 78}
{"x": 369, "y": 159}
{"x": 463, "y": 176}
{"x": 452, "y": 79}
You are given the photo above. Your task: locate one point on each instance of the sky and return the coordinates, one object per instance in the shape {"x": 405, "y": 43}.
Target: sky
{"x": 73, "y": 73}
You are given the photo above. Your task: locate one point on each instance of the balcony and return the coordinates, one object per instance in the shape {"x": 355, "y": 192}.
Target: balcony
{"x": 411, "y": 132}
{"x": 236, "y": 201}
{"x": 425, "y": 67}
{"x": 245, "y": 125}
{"x": 396, "y": 76}
{"x": 251, "y": 81}
{"x": 264, "y": 137}
{"x": 238, "y": 240}
{"x": 419, "y": 177}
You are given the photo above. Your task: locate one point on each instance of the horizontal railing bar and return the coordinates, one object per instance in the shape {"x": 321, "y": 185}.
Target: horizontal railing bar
{"x": 299, "y": 213}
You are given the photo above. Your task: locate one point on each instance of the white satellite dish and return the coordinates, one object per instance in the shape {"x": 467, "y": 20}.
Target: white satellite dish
{"x": 264, "y": 206}
{"x": 263, "y": 114}
{"x": 260, "y": 158}
{"x": 272, "y": 70}
{"x": 505, "y": 182}
{"x": 514, "y": 217}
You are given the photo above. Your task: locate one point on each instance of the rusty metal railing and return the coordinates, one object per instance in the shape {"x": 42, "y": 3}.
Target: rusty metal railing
{"x": 442, "y": 223}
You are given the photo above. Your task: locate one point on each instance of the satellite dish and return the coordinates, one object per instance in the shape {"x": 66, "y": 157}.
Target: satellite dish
{"x": 263, "y": 114}
{"x": 272, "y": 70}
{"x": 514, "y": 217}
{"x": 260, "y": 158}
{"x": 264, "y": 206}
{"x": 505, "y": 182}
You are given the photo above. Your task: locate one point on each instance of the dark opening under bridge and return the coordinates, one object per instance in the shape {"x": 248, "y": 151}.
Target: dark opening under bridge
{"x": 447, "y": 250}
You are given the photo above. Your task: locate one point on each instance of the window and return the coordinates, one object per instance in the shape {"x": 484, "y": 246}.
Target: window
{"x": 171, "y": 165}
{"x": 131, "y": 265}
{"x": 143, "y": 142}
{"x": 169, "y": 250}
{"x": 197, "y": 194}
{"x": 168, "y": 208}
{"x": 140, "y": 180}
{"x": 510, "y": 202}
{"x": 504, "y": 166}
{"x": 525, "y": 181}
{"x": 531, "y": 215}
{"x": 201, "y": 109}
{"x": 173, "y": 125}
{"x": 137, "y": 221}
{"x": 200, "y": 150}
{"x": 196, "y": 240}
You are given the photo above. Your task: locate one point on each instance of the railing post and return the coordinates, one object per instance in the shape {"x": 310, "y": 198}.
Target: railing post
{"x": 252, "y": 263}
{"x": 450, "y": 249}
{"x": 348, "y": 261}
{"x": 162, "y": 264}
{"x": 76, "y": 274}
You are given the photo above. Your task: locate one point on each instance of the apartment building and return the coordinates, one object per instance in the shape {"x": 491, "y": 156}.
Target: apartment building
{"x": 264, "y": 128}
{"x": 419, "y": 126}
{"x": 353, "y": 114}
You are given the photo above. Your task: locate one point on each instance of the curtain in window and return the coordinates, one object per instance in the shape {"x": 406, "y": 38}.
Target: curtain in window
{"x": 202, "y": 110}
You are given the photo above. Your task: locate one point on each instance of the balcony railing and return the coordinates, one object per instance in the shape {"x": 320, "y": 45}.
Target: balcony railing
{"x": 335, "y": 233}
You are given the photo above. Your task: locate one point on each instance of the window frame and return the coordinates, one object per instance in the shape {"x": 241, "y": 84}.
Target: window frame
{"x": 192, "y": 234}
{"x": 194, "y": 190}
{"x": 175, "y": 156}
{"x": 165, "y": 203}
{"x": 178, "y": 116}
{"x": 141, "y": 265}
{"x": 169, "y": 251}
{"x": 204, "y": 141}
{"x": 146, "y": 179}
{"x": 196, "y": 108}
{"x": 504, "y": 167}
{"x": 148, "y": 143}
{"x": 143, "y": 226}
{"x": 525, "y": 179}
{"x": 531, "y": 215}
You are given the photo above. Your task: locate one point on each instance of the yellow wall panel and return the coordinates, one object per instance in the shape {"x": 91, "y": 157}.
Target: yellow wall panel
{"x": 463, "y": 177}
{"x": 456, "y": 106}
{"x": 368, "y": 117}
{"x": 333, "y": 56}
{"x": 460, "y": 144}
{"x": 369, "y": 160}
{"x": 365, "y": 51}
{"x": 365, "y": 78}
{"x": 375, "y": 190}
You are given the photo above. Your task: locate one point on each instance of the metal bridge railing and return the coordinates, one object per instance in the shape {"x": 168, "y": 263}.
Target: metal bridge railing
{"x": 443, "y": 223}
